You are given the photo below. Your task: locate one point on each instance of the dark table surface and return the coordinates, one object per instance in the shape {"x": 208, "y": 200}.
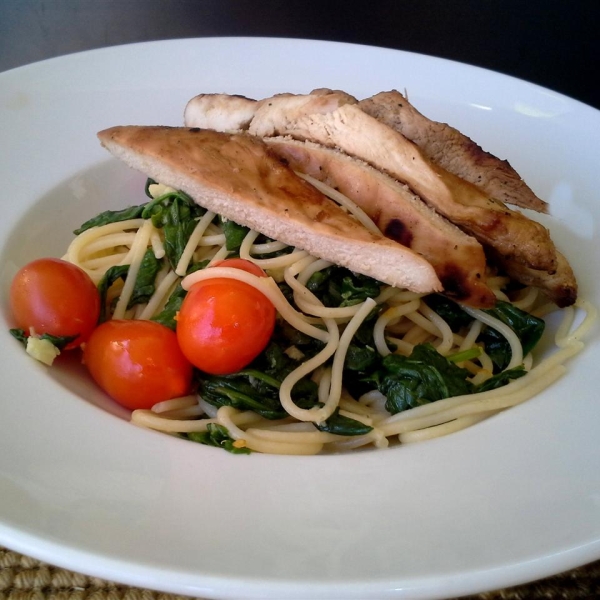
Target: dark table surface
{"x": 549, "y": 42}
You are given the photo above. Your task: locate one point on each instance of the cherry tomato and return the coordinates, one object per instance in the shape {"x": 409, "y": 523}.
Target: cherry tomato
{"x": 224, "y": 324}
{"x": 55, "y": 297}
{"x": 242, "y": 264}
{"x": 138, "y": 363}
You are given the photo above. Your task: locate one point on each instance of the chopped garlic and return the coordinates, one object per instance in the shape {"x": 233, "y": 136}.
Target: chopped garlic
{"x": 294, "y": 353}
{"x": 160, "y": 189}
{"x": 43, "y": 350}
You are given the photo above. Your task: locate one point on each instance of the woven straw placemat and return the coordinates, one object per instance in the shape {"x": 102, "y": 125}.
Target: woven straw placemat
{"x": 25, "y": 578}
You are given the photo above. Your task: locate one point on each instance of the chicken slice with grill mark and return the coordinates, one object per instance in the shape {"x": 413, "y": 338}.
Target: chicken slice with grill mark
{"x": 238, "y": 177}
{"x": 458, "y": 259}
{"x": 452, "y": 150}
{"x": 560, "y": 286}
{"x": 334, "y": 121}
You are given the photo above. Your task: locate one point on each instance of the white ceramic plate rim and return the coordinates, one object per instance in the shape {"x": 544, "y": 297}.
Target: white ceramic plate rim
{"x": 513, "y": 499}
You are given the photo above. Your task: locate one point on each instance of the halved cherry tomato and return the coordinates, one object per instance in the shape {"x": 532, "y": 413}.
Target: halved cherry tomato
{"x": 55, "y": 297}
{"x": 138, "y": 363}
{"x": 223, "y": 323}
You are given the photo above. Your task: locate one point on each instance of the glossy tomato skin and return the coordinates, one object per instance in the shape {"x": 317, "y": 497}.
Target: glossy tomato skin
{"x": 137, "y": 363}
{"x": 55, "y": 297}
{"x": 242, "y": 264}
{"x": 223, "y": 324}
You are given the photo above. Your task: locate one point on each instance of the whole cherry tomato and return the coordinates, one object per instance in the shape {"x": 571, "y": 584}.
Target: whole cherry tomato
{"x": 242, "y": 264}
{"x": 137, "y": 363}
{"x": 223, "y": 323}
{"x": 55, "y": 297}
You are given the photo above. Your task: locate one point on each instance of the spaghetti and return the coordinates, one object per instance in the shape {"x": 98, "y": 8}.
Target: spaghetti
{"x": 398, "y": 321}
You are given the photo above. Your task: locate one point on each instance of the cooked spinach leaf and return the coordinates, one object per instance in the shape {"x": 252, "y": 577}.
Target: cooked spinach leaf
{"x": 20, "y": 335}
{"x": 361, "y": 358}
{"x": 529, "y": 330}
{"x": 425, "y": 376}
{"x": 255, "y": 390}
{"x": 501, "y": 379}
{"x": 449, "y": 310}
{"x": 176, "y": 214}
{"x": 60, "y": 341}
{"x": 342, "y": 425}
{"x": 234, "y": 234}
{"x": 257, "y": 387}
{"x": 111, "y": 216}
{"x": 497, "y": 348}
{"x": 142, "y": 290}
{"x": 526, "y": 326}
{"x": 218, "y": 436}
{"x": 275, "y": 361}
{"x": 337, "y": 286}
{"x": 111, "y": 276}
{"x": 167, "y": 315}
{"x": 149, "y": 182}
{"x": 144, "y": 282}
{"x": 243, "y": 392}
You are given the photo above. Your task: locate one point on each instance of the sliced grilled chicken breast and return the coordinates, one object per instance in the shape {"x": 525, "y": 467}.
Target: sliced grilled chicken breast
{"x": 221, "y": 112}
{"x": 560, "y": 286}
{"x": 238, "y": 177}
{"x": 457, "y": 258}
{"x": 333, "y": 121}
{"x": 450, "y": 149}
{"x": 518, "y": 245}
